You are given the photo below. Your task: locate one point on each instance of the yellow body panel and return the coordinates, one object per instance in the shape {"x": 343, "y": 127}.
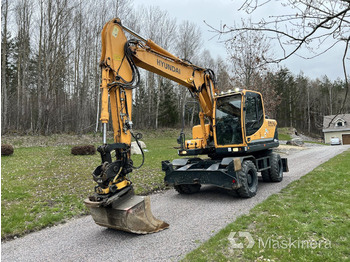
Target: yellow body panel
{"x": 266, "y": 131}
{"x": 197, "y": 131}
{"x": 194, "y": 143}
{"x": 199, "y": 137}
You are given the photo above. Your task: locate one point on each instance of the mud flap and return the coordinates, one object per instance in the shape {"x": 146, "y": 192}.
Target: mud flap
{"x": 132, "y": 214}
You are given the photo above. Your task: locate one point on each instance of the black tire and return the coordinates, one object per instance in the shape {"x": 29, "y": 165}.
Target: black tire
{"x": 275, "y": 173}
{"x": 248, "y": 177}
{"x": 266, "y": 175}
{"x": 188, "y": 188}
{"x": 232, "y": 192}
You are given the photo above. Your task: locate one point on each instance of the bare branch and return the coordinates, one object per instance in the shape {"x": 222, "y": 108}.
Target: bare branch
{"x": 345, "y": 75}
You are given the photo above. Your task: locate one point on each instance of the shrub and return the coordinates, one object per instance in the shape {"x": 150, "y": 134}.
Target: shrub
{"x": 6, "y": 150}
{"x": 84, "y": 150}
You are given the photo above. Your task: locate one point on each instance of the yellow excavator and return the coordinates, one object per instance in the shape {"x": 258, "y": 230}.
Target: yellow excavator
{"x": 234, "y": 134}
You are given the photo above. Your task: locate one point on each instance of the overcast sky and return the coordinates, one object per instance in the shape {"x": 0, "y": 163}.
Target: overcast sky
{"x": 217, "y": 12}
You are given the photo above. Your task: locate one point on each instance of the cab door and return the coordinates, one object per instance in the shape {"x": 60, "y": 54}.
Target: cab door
{"x": 254, "y": 113}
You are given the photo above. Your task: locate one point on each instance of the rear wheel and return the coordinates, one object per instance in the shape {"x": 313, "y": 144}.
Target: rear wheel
{"x": 188, "y": 188}
{"x": 275, "y": 173}
{"x": 248, "y": 177}
{"x": 266, "y": 175}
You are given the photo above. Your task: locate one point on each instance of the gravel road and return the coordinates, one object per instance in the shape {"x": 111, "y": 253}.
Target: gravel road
{"x": 193, "y": 219}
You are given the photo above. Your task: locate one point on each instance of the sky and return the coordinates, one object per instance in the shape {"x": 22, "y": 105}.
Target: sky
{"x": 219, "y": 12}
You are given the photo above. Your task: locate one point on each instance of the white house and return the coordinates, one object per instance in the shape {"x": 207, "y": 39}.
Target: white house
{"x": 337, "y": 126}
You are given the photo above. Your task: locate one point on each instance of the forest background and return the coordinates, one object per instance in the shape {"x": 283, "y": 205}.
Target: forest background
{"x": 50, "y": 74}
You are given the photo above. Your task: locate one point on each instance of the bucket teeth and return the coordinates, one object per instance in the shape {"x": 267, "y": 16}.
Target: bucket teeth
{"x": 131, "y": 213}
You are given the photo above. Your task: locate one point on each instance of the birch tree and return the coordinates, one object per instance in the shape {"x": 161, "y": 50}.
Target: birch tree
{"x": 4, "y": 63}
{"x": 188, "y": 47}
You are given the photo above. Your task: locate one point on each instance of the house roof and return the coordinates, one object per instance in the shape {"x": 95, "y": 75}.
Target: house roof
{"x": 329, "y": 126}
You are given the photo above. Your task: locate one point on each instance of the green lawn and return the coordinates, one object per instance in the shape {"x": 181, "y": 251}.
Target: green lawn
{"x": 284, "y": 137}
{"x": 284, "y": 133}
{"x": 44, "y": 185}
{"x": 307, "y": 221}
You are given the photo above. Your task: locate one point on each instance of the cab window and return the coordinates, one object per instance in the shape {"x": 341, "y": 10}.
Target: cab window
{"x": 228, "y": 120}
{"x": 254, "y": 114}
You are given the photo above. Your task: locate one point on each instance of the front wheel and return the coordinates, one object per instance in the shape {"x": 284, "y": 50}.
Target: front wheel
{"x": 248, "y": 177}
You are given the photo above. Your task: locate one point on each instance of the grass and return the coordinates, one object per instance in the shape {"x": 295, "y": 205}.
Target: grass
{"x": 284, "y": 133}
{"x": 44, "y": 185}
{"x": 307, "y": 221}
{"x": 160, "y": 146}
{"x": 41, "y": 186}
{"x": 284, "y": 137}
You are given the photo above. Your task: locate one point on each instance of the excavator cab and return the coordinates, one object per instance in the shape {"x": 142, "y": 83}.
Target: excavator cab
{"x": 237, "y": 117}
{"x": 238, "y": 126}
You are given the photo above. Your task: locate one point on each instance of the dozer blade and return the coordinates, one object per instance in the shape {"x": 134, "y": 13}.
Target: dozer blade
{"x": 131, "y": 214}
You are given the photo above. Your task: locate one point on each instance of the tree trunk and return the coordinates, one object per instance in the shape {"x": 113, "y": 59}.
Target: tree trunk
{"x": 4, "y": 102}
{"x": 308, "y": 110}
{"x": 158, "y": 100}
{"x": 330, "y": 99}
{"x": 290, "y": 110}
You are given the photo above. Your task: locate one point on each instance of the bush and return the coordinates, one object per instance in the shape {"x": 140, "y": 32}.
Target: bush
{"x": 6, "y": 150}
{"x": 84, "y": 150}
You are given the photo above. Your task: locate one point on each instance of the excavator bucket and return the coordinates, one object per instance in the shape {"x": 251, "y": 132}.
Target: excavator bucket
{"x": 131, "y": 214}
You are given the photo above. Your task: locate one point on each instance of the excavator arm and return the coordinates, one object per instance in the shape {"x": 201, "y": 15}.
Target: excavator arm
{"x": 119, "y": 62}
